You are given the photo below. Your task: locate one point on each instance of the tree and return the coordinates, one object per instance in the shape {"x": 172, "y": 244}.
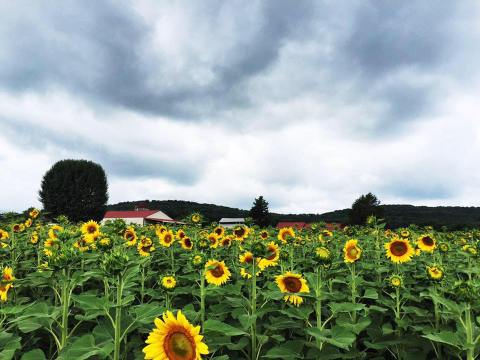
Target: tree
{"x": 259, "y": 212}
{"x": 363, "y": 207}
{"x": 77, "y": 189}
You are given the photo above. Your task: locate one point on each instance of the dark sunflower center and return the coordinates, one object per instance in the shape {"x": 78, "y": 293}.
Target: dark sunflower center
{"x": 167, "y": 238}
{"x": 91, "y": 229}
{"x": 181, "y": 235}
{"x": 398, "y": 248}
{"x": 218, "y": 231}
{"x": 427, "y": 240}
{"x": 292, "y": 284}
{"x": 352, "y": 252}
{"x": 187, "y": 242}
{"x": 218, "y": 271}
{"x": 212, "y": 240}
{"x": 129, "y": 236}
{"x": 272, "y": 253}
{"x": 180, "y": 346}
{"x": 240, "y": 232}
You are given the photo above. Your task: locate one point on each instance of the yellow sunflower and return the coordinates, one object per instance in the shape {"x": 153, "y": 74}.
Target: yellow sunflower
{"x": 54, "y": 230}
{"x": 240, "y": 232}
{"x": 395, "y": 281}
{"x": 399, "y": 250}
{"x": 426, "y": 243}
{"x": 246, "y": 258}
{"x": 4, "y": 235}
{"x": 82, "y": 244}
{"x": 226, "y": 241}
{"x": 292, "y": 284}
{"x": 435, "y": 272}
{"x": 34, "y": 237}
{"x": 169, "y": 282}
{"x": 285, "y": 233}
{"x": 159, "y": 230}
{"x": 90, "y": 228}
{"x": 17, "y": 228}
{"x": 273, "y": 254}
{"x": 213, "y": 240}
{"x": 130, "y": 236}
{"x": 196, "y": 218}
{"x": 351, "y": 251}
{"x": 4, "y": 291}
{"x": 34, "y": 213}
{"x": 7, "y": 274}
{"x": 264, "y": 234}
{"x": 181, "y": 234}
{"x": 175, "y": 339}
{"x": 216, "y": 272}
{"x": 145, "y": 246}
{"x": 167, "y": 238}
{"x": 219, "y": 230}
{"x": 186, "y": 243}
{"x": 28, "y": 223}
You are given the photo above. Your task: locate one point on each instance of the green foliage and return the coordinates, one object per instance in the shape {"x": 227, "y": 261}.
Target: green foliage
{"x": 259, "y": 212}
{"x": 76, "y": 189}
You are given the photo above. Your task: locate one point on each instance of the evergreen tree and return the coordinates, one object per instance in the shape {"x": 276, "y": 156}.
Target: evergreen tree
{"x": 363, "y": 207}
{"x": 77, "y": 189}
{"x": 259, "y": 212}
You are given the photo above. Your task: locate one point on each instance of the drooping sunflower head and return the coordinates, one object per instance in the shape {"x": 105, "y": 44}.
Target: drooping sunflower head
{"x": 435, "y": 272}
{"x": 186, "y": 243}
{"x": 90, "y": 227}
{"x": 216, "y": 272}
{"x": 426, "y": 243}
{"x": 395, "y": 281}
{"x": 272, "y": 255}
{"x": 292, "y": 284}
{"x": 28, "y": 223}
{"x": 246, "y": 258}
{"x": 4, "y": 235}
{"x": 399, "y": 250}
{"x": 130, "y": 236}
{"x": 167, "y": 238}
{"x": 175, "y": 338}
{"x": 351, "y": 251}
{"x": 169, "y": 282}
{"x": 4, "y": 291}
{"x": 34, "y": 237}
{"x": 285, "y": 234}
{"x": 145, "y": 246}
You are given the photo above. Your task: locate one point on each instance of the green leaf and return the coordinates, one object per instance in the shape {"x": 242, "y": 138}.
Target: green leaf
{"x": 370, "y": 294}
{"x": 445, "y": 337}
{"x": 289, "y": 350}
{"x": 36, "y": 354}
{"x": 218, "y": 326}
{"x": 84, "y": 348}
{"x": 9, "y": 344}
{"x": 346, "y": 307}
{"x": 338, "y": 336}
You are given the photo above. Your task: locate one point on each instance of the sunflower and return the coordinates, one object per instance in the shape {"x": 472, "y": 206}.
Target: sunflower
{"x": 28, "y": 223}
{"x": 219, "y": 230}
{"x": 395, "y": 281}
{"x": 4, "y": 291}
{"x": 197, "y": 260}
{"x": 426, "y": 243}
{"x": 167, "y": 238}
{"x": 34, "y": 213}
{"x": 17, "y": 228}
{"x": 213, "y": 240}
{"x": 3, "y": 235}
{"x": 271, "y": 259}
{"x": 435, "y": 272}
{"x": 285, "y": 233}
{"x": 159, "y": 230}
{"x": 226, "y": 241}
{"x": 82, "y": 244}
{"x": 399, "y": 250}
{"x": 351, "y": 251}
{"x": 240, "y": 232}
{"x": 175, "y": 338}
{"x": 169, "y": 282}
{"x": 443, "y": 247}
{"x": 323, "y": 255}
{"x": 245, "y": 274}
{"x": 246, "y": 258}
{"x": 90, "y": 228}
{"x": 34, "y": 237}
{"x": 216, "y": 272}
{"x": 196, "y": 218}
{"x": 130, "y": 236}
{"x": 181, "y": 234}
{"x": 264, "y": 234}
{"x": 53, "y": 231}
{"x": 186, "y": 243}
{"x": 405, "y": 233}
{"x": 7, "y": 274}
{"x": 145, "y": 246}
{"x": 292, "y": 284}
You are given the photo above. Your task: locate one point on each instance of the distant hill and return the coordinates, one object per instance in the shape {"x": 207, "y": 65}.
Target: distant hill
{"x": 454, "y": 217}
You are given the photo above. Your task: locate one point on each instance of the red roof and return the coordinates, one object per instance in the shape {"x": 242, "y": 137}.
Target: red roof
{"x": 295, "y": 224}
{"x": 129, "y": 214}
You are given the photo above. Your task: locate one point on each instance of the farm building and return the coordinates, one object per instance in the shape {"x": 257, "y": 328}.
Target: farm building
{"x": 303, "y": 225}
{"x": 231, "y": 222}
{"x": 140, "y": 217}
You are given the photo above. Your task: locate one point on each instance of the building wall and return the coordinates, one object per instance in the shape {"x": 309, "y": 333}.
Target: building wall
{"x": 138, "y": 221}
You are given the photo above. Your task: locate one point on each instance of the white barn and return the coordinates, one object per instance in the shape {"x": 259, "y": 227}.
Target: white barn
{"x": 231, "y": 222}
{"x": 140, "y": 217}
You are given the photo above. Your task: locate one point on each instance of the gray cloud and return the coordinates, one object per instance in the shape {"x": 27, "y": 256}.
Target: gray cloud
{"x": 127, "y": 164}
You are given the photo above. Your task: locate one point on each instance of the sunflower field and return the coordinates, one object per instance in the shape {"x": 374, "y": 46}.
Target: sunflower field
{"x": 199, "y": 291}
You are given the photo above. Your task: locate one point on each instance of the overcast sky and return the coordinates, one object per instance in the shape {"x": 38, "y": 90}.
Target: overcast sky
{"x": 309, "y": 103}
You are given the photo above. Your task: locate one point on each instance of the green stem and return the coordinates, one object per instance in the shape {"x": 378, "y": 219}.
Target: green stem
{"x": 318, "y": 305}
{"x": 253, "y": 302}
{"x": 469, "y": 332}
{"x": 354, "y": 292}
{"x": 202, "y": 297}
{"x": 65, "y": 303}
{"x": 118, "y": 318}
{"x": 142, "y": 283}
{"x": 172, "y": 260}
